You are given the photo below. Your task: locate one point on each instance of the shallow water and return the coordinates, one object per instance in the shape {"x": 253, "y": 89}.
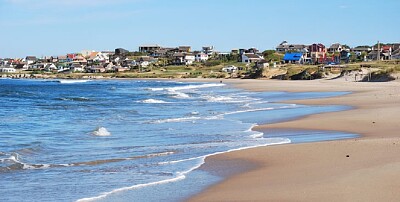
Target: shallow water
{"x": 122, "y": 140}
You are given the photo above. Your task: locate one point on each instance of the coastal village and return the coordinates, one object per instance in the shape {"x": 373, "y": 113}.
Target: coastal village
{"x": 150, "y": 58}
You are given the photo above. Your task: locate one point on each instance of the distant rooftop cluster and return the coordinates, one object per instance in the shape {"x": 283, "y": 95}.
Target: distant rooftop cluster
{"x": 151, "y": 55}
{"x": 318, "y": 53}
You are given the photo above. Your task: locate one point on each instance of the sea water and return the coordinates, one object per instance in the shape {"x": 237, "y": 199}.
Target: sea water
{"x": 130, "y": 140}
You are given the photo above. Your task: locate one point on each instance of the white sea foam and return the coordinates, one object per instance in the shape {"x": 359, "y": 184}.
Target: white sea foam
{"x": 182, "y": 119}
{"x": 194, "y": 113}
{"x": 188, "y": 87}
{"x": 152, "y": 101}
{"x": 71, "y": 81}
{"x": 101, "y": 131}
{"x": 177, "y": 94}
{"x": 186, "y": 119}
{"x": 250, "y": 110}
{"x": 257, "y": 135}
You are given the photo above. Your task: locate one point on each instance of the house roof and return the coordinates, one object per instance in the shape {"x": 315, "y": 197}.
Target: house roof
{"x": 396, "y": 52}
{"x": 291, "y": 46}
{"x": 252, "y": 55}
{"x": 178, "y": 55}
{"x": 386, "y": 48}
{"x": 151, "y": 45}
{"x": 30, "y": 57}
{"x": 335, "y": 46}
{"x": 93, "y": 55}
{"x": 292, "y": 56}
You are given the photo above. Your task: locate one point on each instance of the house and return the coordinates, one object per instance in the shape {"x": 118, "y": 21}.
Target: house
{"x": 87, "y": 53}
{"x": 144, "y": 61}
{"x": 335, "y": 48}
{"x": 183, "y": 58}
{"x": 50, "y": 67}
{"x": 201, "y": 57}
{"x": 184, "y": 49}
{"x": 121, "y": 51}
{"x": 230, "y": 69}
{"x": 189, "y": 58}
{"x": 286, "y": 47}
{"x": 8, "y": 70}
{"x": 360, "y": 49}
{"x": 120, "y": 69}
{"x": 98, "y": 57}
{"x": 251, "y": 57}
{"x": 345, "y": 56}
{"x": 30, "y": 60}
{"x": 77, "y": 67}
{"x": 71, "y": 57}
{"x": 149, "y": 48}
{"x": 96, "y": 69}
{"x": 262, "y": 64}
{"x": 317, "y": 53}
{"x": 109, "y": 66}
{"x": 385, "y": 53}
{"x": 36, "y": 66}
{"x": 209, "y": 50}
{"x": 396, "y": 54}
{"x": 295, "y": 57}
{"x": 63, "y": 59}
{"x": 79, "y": 60}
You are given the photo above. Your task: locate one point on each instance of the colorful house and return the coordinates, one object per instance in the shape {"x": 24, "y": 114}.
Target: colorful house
{"x": 294, "y": 58}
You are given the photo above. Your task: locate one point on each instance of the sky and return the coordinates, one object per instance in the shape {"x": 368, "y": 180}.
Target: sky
{"x": 56, "y": 27}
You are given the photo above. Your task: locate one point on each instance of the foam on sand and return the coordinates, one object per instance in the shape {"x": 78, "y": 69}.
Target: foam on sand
{"x": 101, "y": 131}
{"x": 181, "y": 175}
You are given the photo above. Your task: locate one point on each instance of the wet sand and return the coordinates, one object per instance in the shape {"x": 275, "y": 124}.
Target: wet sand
{"x": 361, "y": 169}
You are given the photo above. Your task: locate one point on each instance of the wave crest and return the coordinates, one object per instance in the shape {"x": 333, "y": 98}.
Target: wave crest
{"x": 153, "y": 101}
{"x": 101, "y": 131}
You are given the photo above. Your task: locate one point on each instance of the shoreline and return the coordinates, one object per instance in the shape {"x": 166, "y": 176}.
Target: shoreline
{"x": 377, "y": 134}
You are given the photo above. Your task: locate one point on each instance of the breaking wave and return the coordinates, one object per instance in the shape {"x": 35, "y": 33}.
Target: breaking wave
{"x": 80, "y": 99}
{"x": 152, "y": 101}
{"x": 188, "y": 87}
{"x": 13, "y": 162}
{"x": 71, "y": 81}
{"x": 101, "y": 131}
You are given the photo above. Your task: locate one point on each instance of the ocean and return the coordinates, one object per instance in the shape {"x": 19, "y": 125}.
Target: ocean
{"x": 132, "y": 140}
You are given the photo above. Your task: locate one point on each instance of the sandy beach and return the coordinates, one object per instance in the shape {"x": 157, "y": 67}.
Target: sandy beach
{"x": 361, "y": 169}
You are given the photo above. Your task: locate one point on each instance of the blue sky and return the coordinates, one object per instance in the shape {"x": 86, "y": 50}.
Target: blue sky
{"x": 54, "y": 27}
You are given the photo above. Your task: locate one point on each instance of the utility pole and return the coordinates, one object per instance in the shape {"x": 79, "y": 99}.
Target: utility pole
{"x": 378, "y": 57}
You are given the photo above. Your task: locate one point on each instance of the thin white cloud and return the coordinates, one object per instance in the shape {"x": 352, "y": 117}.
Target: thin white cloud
{"x": 343, "y": 6}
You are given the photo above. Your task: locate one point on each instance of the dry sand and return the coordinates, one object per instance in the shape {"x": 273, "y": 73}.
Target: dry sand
{"x": 362, "y": 169}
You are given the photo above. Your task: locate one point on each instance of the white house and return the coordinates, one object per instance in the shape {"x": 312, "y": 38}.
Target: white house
{"x": 230, "y": 69}
{"x": 189, "y": 58}
{"x": 251, "y": 57}
{"x": 77, "y": 68}
{"x": 201, "y": 57}
{"x": 99, "y": 57}
{"x": 50, "y": 67}
{"x": 30, "y": 60}
{"x": 7, "y": 70}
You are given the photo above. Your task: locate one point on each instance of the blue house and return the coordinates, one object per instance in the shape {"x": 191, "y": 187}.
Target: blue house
{"x": 293, "y": 58}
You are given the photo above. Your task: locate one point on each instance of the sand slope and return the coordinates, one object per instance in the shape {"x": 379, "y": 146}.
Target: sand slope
{"x": 362, "y": 169}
